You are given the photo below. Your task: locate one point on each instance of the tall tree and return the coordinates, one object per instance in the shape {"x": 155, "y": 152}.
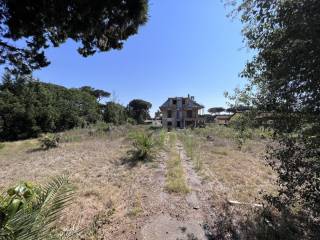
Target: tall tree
{"x": 115, "y": 113}
{"x": 97, "y": 93}
{"x": 29, "y": 107}
{"x": 139, "y": 110}
{"x": 215, "y": 110}
{"x": 284, "y": 78}
{"x": 28, "y": 27}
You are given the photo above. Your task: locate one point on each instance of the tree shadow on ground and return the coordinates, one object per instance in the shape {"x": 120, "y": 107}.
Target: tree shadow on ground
{"x": 260, "y": 224}
{"x": 37, "y": 149}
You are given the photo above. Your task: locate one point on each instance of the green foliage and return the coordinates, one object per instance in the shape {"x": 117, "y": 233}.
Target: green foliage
{"x": 139, "y": 110}
{"x": 216, "y": 110}
{"x": 2, "y": 145}
{"x": 115, "y": 113}
{"x": 98, "y": 26}
{"x": 284, "y": 83}
{"x": 143, "y": 144}
{"x": 29, "y": 212}
{"x": 97, "y": 93}
{"x": 243, "y": 130}
{"x": 49, "y": 141}
{"x": 29, "y": 107}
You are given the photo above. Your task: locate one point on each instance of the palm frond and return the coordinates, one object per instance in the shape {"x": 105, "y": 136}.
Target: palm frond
{"x": 37, "y": 221}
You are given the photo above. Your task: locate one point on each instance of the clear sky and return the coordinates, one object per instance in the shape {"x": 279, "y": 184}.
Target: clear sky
{"x": 187, "y": 46}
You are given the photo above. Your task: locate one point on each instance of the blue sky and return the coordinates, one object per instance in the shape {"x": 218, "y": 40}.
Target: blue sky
{"x": 186, "y": 47}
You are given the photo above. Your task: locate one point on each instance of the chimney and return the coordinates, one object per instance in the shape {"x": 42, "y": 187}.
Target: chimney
{"x": 188, "y": 96}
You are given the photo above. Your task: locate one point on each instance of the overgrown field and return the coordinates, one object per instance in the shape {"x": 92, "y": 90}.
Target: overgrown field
{"x": 113, "y": 172}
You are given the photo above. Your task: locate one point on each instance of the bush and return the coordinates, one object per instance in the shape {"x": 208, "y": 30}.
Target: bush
{"x": 143, "y": 145}
{"x": 115, "y": 113}
{"x": 243, "y": 130}
{"x": 131, "y": 121}
{"x": 2, "y": 145}
{"x": 49, "y": 141}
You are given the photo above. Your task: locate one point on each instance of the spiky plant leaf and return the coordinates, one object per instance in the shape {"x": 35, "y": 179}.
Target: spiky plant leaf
{"x": 37, "y": 217}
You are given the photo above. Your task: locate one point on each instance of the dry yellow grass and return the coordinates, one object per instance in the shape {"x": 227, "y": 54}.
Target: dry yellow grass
{"x": 95, "y": 165}
{"x": 240, "y": 175}
{"x": 107, "y": 187}
{"x": 175, "y": 176}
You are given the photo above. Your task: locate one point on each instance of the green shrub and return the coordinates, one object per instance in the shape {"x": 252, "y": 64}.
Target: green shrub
{"x": 243, "y": 130}
{"x": 30, "y": 212}
{"x": 143, "y": 144}
{"x": 131, "y": 121}
{"x": 2, "y": 145}
{"x": 49, "y": 141}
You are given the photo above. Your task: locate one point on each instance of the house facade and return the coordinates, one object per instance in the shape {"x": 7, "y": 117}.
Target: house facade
{"x": 180, "y": 112}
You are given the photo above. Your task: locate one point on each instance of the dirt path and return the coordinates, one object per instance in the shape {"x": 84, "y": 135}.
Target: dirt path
{"x": 178, "y": 217}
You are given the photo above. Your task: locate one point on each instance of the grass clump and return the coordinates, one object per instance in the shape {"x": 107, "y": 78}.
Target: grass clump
{"x": 136, "y": 206}
{"x": 49, "y": 141}
{"x": 160, "y": 139}
{"x": 1, "y": 145}
{"x": 143, "y": 144}
{"x": 192, "y": 147}
{"x": 175, "y": 177}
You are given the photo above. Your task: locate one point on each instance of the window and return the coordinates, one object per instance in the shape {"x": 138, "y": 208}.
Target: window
{"x": 174, "y": 101}
{"x": 169, "y": 124}
{"x": 169, "y": 114}
{"x": 189, "y": 114}
{"x": 183, "y": 101}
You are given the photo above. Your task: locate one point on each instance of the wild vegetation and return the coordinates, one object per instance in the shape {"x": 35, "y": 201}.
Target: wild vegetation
{"x": 175, "y": 176}
{"x": 283, "y": 92}
{"x": 29, "y": 211}
{"x": 29, "y": 107}
{"x": 244, "y": 197}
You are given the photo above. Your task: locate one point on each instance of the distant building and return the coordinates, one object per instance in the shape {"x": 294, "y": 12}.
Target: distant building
{"x": 180, "y": 112}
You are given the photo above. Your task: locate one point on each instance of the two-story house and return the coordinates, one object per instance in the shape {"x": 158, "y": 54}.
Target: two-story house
{"x": 180, "y": 112}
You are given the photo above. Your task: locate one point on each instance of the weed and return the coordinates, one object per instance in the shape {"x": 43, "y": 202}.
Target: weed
{"x": 143, "y": 145}
{"x": 192, "y": 148}
{"x": 2, "y": 145}
{"x": 49, "y": 141}
{"x": 160, "y": 138}
{"x": 175, "y": 177}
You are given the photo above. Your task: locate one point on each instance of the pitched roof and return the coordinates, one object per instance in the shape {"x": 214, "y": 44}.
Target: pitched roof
{"x": 188, "y": 104}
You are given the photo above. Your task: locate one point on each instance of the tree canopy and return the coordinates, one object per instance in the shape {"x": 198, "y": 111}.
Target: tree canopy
{"x": 139, "y": 110}
{"x": 115, "y": 113}
{"x": 29, "y": 107}
{"x": 284, "y": 81}
{"x": 216, "y": 110}
{"x": 97, "y": 93}
{"x": 29, "y": 27}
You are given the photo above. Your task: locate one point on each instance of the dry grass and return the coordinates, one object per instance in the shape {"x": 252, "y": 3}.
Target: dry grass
{"x": 94, "y": 163}
{"x": 192, "y": 147}
{"x": 175, "y": 176}
{"x": 109, "y": 190}
{"x": 237, "y": 175}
